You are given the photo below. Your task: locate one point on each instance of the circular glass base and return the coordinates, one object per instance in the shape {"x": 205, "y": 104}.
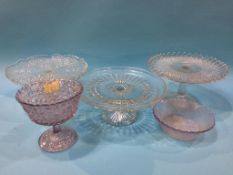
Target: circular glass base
{"x": 118, "y": 118}
{"x": 60, "y": 140}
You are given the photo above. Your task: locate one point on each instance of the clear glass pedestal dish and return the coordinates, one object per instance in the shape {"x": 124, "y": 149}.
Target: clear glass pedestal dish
{"x": 185, "y": 69}
{"x": 50, "y": 95}
{"x": 121, "y": 92}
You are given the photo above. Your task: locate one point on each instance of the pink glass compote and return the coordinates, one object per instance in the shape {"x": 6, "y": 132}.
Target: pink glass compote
{"x": 50, "y": 95}
{"x": 52, "y": 109}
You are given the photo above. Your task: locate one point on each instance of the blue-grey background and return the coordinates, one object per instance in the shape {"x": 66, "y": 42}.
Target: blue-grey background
{"x": 117, "y": 32}
{"x": 108, "y": 32}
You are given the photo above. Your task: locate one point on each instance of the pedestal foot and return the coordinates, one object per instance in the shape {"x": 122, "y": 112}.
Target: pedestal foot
{"x": 59, "y": 139}
{"x": 118, "y": 118}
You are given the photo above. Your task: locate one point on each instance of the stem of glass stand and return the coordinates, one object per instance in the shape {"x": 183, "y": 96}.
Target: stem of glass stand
{"x": 182, "y": 89}
{"x": 56, "y": 128}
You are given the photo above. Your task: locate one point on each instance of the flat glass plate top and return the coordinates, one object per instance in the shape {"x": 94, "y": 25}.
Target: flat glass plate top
{"x": 46, "y": 68}
{"x": 122, "y": 88}
{"x": 187, "y": 68}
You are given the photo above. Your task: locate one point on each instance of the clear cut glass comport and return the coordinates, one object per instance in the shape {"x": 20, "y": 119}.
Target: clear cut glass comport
{"x": 121, "y": 92}
{"x": 50, "y": 94}
{"x": 183, "y": 108}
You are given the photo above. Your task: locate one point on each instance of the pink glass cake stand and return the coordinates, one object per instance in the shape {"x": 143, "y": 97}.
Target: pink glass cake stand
{"x": 187, "y": 69}
{"x": 182, "y": 120}
{"x": 50, "y": 95}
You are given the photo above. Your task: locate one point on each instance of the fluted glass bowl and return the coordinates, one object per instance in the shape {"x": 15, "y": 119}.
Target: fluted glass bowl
{"x": 182, "y": 118}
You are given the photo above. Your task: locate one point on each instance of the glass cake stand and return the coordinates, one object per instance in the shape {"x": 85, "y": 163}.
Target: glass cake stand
{"x": 50, "y": 95}
{"x": 121, "y": 92}
{"x": 185, "y": 69}
{"x": 46, "y": 68}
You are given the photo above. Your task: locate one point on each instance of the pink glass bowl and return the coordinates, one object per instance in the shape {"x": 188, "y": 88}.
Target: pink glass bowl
{"x": 183, "y": 118}
{"x": 52, "y": 109}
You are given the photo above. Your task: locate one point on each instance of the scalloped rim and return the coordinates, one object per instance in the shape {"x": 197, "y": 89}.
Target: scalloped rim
{"x": 21, "y": 60}
{"x": 195, "y": 56}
